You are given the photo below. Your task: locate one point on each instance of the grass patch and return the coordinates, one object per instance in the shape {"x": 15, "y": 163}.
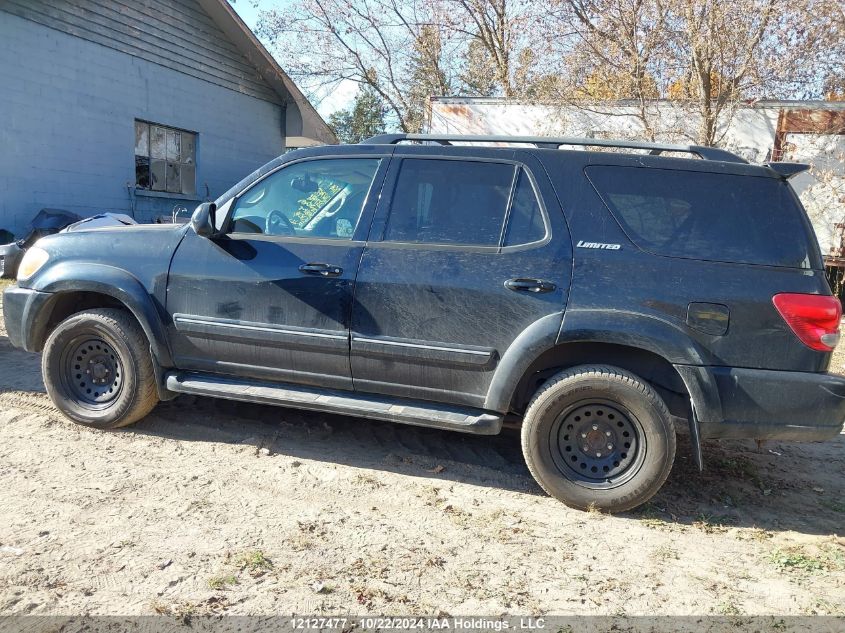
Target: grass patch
{"x": 649, "y": 516}
{"x": 712, "y": 524}
{"x": 254, "y": 562}
{"x": 797, "y": 559}
{"x": 222, "y": 582}
{"x": 754, "y": 534}
{"x": 665, "y": 553}
{"x": 729, "y": 608}
{"x": 654, "y": 523}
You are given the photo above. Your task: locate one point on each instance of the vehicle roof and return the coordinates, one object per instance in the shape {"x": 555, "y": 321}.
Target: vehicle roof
{"x": 551, "y": 156}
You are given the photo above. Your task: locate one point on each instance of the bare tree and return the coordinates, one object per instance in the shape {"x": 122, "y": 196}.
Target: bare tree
{"x": 702, "y": 57}
{"x": 405, "y": 50}
{"x": 490, "y": 29}
{"x": 478, "y": 75}
{"x": 717, "y": 44}
{"x": 606, "y": 51}
{"x": 705, "y": 57}
{"x": 387, "y": 45}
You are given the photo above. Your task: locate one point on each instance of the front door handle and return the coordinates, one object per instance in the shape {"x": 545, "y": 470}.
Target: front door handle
{"x": 529, "y": 285}
{"x": 326, "y": 270}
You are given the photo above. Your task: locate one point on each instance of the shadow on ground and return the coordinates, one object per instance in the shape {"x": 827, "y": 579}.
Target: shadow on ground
{"x": 777, "y": 487}
{"x": 781, "y": 486}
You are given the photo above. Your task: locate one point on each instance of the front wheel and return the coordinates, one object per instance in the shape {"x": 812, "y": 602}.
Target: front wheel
{"x": 598, "y": 436}
{"x": 98, "y": 370}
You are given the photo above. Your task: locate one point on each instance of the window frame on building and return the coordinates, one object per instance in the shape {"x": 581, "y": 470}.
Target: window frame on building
{"x": 159, "y": 165}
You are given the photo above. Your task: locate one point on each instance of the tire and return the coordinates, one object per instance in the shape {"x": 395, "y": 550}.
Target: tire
{"x": 98, "y": 369}
{"x": 597, "y": 436}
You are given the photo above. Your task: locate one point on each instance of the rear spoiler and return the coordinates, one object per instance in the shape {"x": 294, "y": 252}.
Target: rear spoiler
{"x": 788, "y": 170}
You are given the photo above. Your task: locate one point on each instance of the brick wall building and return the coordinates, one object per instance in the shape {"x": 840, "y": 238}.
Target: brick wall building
{"x": 136, "y": 106}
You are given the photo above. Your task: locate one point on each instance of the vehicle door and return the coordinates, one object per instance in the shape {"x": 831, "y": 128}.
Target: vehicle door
{"x": 271, "y": 297}
{"x": 465, "y": 254}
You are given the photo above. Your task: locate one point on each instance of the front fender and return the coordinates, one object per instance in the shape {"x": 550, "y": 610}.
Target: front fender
{"x": 107, "y": 280}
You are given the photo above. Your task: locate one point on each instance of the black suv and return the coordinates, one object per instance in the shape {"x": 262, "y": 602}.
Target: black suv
{"x": 597, "y": 297}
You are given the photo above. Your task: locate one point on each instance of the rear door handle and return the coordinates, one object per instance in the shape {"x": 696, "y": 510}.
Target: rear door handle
{"x": 529, "y": 285}
{"x": 326, "y": 270}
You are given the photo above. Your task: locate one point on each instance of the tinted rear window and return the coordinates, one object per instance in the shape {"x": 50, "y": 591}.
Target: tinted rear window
{"x": 450, "y": 202}
{"x": 701, "y": 215}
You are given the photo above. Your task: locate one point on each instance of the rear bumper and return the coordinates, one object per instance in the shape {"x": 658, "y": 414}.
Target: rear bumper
{"x": 21, "y": 314}
{"x": 765, "y": 404}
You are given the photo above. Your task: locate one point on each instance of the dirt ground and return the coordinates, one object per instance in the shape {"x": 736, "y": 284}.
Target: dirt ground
{"x": 215, "y": 507}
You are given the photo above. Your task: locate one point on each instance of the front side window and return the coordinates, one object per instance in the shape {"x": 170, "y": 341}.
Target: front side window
{"x": 317, "y": 198}
{"x": 165, "y": 159}
{"x": 464, "y": 202}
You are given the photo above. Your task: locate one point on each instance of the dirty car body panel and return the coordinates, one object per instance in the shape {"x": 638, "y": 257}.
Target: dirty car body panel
{"x": 358, "y": 304}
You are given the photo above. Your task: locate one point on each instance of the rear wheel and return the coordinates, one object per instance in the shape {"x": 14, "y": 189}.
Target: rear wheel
{"x": 98, "y": 370}
{"x": 598, "y": 436}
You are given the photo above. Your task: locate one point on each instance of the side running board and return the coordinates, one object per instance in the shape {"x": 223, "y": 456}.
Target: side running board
{"x": 416, "y": 412}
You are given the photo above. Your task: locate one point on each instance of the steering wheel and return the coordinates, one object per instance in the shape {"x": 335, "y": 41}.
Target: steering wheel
{"x": 277, "y": 223}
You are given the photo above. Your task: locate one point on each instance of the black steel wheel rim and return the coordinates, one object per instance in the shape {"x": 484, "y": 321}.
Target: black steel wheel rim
{"x": 597, "y": 443}
{"x": 92, "y": 371}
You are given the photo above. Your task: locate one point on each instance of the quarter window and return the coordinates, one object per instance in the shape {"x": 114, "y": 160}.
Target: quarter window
{"x": 525, "y": 223}
{"x": 316, "y": 198}
{"x": 165, "y": 159}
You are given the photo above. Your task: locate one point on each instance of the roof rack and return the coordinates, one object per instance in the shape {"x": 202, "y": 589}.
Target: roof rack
{"x": 548, "y": 142}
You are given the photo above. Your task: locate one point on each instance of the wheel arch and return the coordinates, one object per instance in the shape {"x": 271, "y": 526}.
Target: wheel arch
{"x": 647, "y": 364}
{"x": 648, "y": 343}
{"x": 84, "y": 286}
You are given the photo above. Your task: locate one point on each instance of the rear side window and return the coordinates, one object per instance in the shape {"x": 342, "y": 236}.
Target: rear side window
{"x": 701, "y": 215}
{"x": 450, "y": 202}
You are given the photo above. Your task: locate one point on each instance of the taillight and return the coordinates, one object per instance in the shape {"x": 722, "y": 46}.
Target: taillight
{"x": 813, "y": 318}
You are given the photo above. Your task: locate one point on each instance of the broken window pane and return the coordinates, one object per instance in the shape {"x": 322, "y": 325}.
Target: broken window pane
{"x": 189, "y": 177}
{"x": 158, "y": 142}
{"x": 157, "y": 173}
{"x": 165, "y": 159}
{"x": 142, "y": 138}
{"x": 189, "y": 148}
{"x": 142, "y": 172}
{"x": 174, "y": 145}
{"x": 174, "y": 177}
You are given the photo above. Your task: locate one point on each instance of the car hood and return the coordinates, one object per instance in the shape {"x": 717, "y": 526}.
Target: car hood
{"x": 143, "y": 250}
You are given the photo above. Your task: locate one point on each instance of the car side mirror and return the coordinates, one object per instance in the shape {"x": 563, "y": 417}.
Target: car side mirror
{"x": 203, "y": 219}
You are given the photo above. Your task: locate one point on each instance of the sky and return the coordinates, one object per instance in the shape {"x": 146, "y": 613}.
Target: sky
{"x": 340, "y": 98}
